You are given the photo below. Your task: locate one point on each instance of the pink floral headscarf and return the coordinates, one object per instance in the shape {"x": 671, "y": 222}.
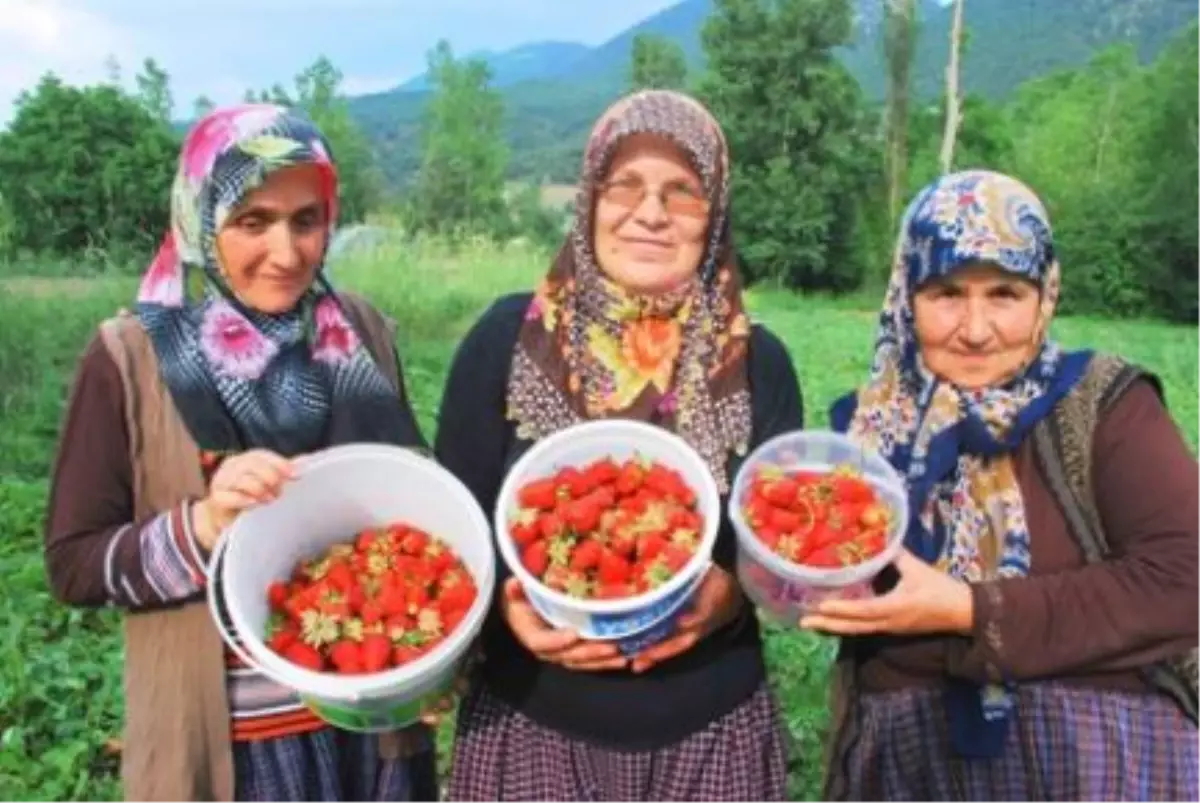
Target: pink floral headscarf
{"x": 239, "y": 377}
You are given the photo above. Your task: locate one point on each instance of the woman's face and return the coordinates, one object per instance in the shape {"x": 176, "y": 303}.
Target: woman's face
{"x": 651, "y": 217}
{"x": 271, "y": 245}
{"x": 978, "y": 326}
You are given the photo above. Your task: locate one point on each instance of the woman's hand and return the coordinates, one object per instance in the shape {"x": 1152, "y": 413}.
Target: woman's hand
{"x": 549, "y": 644}
{"x": 924, "y": 601}
{"x": 716, "y": 602}
{"x": 240, "y": 483}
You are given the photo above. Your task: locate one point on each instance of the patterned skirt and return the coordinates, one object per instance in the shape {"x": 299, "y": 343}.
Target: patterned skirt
{"x": 500, "y": 754}
{"x": 330, "y": 764}
{"x": 1065, "y": 743}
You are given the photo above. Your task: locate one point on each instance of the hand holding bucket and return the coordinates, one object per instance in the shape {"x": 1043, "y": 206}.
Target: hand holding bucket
{"x": 242, "y": 482}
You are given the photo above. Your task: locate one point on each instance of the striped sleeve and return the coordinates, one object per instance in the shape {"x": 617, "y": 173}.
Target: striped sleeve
{"x": 155, "y": 563}
{"x": 96, "y": 553}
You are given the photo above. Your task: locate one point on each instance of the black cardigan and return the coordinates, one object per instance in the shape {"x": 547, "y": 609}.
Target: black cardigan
{"x": 615, "y": 709}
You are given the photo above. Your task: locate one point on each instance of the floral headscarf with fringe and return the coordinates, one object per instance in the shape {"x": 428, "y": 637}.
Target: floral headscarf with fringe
{"x": 954, "y": 446}
{"x": 590, "y": 349}
{"x": 241, "y": 378}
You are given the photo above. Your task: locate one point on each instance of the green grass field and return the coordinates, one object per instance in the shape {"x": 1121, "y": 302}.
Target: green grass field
{"x": 60, "y": 669}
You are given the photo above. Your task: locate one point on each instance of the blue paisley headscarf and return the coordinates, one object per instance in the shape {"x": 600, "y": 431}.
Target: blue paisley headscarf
{"x": 954, "y": 446}
{"x": 291, "y": 382}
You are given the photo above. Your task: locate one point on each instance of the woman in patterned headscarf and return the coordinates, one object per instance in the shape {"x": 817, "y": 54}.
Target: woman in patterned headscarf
{"x": 239, "y": 356}
{"x": 640, "y": 317}
{"x": 1000, "y": 666}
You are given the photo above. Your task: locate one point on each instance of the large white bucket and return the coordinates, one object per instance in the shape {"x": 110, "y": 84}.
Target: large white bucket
{"x": 336, "y": 494}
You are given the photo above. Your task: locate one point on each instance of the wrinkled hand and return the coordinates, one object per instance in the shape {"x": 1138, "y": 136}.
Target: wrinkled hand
{"x": 925, "y": 600}
{"x": 715, "y": 603}
{"x": 240, "y": 483}
{"x": 552, "y": 645}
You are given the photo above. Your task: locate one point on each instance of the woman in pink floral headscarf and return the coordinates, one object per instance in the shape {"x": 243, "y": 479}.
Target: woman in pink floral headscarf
{"x": 239, "y": 356}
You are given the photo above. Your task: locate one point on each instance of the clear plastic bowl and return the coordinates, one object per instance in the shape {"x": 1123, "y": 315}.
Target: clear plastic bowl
{"x": 634, "y": 623}
{"x": 336, "y": 494}
{"x": 784, "y": 590}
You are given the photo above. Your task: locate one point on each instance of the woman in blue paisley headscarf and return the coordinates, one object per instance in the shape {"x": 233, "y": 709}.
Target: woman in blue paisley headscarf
{"x": 238, "y": 357}
{"x": 1035, "y": 639}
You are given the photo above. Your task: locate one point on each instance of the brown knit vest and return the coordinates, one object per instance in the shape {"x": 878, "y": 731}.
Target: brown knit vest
{"x": 177, "y": 720}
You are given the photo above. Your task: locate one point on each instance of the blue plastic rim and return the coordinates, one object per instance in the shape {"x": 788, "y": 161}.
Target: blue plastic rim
{"x": 632, "y": 631}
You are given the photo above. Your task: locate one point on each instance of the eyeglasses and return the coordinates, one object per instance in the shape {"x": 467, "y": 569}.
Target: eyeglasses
{"x": 676, "y": 197}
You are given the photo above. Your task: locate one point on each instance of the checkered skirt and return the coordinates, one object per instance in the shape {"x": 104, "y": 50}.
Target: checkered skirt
{"x": 500, "y": 754}
{"x": 329, "y": 764}
{"x": 1065, "y": 743}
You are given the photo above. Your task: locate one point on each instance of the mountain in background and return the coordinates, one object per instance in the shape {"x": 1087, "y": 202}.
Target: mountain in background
{"x": 553, "y": 91}
{"x": 531, "y": 61}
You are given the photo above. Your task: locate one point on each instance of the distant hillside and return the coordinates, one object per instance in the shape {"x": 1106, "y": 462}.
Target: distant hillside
{"x": 554, "y": 90}
{"x": 527, "y": 62}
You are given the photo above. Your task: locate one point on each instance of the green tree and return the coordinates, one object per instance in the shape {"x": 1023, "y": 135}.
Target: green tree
{"x": 1072, "y": 147}
{"x": 202, "y": 106}
{"x": 799, "y": 171}
{"x": 899, "y": 43}
{"x": 460, "y": 184}
{"x": 1168, "y": 172}
{"x": 318, "y": 93}
{"x": 657, "y": 63}
{"x": 85, "y": 168}
{"x": 154, "y": 90}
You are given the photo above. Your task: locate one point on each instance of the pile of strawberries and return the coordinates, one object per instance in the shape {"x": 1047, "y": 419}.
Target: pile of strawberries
{"x": 820, "y": 520}
{"x": 370, "y": 604}
{"x": 607, "y": 530}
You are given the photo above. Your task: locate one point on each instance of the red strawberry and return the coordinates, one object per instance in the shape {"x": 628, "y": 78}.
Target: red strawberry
{"x": 602, "y": 472}
{"x": 630, "y": 479}
{"x": 392, "y": 600}
{"x": 582, "y": 515}
{"x": 305, "y": 656}
{"x": 414, "y": 542}
{"x": 551, "y": 525}
{"x": 346, "y": 656}
{"x": 283, "y": 638}
{"x": 459, "y": 596}
{"x": 586, "y": 555}
{"x": 376, "y": 653}
{"x": 781, "y": 493}
{"x": 416, "y": 596}
{"x": 623, "y": 543}
{"x": 340, "y": 576}
{"x": 277, "y": 596}
{"x": 524, "y": 528}
{"x": 536, "y": 558}
{"x": 355, "y": 597}
{"x": 785, "y": 520}
{"x": 614, "y": 569}
{"x": 405, "y": 653}
{"x": 675, "y": 557}
{"x": 371, "y": 612}
{"x": 571, "y": 483}
{"x": 651, "y": 546}
{"x": 366, "y": 540}
{"x": 614, "y": 591}
{"x": 539, "y": 495}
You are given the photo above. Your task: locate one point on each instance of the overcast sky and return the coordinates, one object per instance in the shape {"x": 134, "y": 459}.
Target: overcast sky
{"x": 219, "y": 48}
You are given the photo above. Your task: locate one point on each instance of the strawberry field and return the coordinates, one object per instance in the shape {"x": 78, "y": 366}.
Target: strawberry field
{"x": 60, "y": 669}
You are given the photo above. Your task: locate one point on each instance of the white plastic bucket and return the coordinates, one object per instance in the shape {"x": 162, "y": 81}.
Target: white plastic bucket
{"x": 336, "y": 494}
{"x": 636, "y": 622}
{"x": 785, "y": 590}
